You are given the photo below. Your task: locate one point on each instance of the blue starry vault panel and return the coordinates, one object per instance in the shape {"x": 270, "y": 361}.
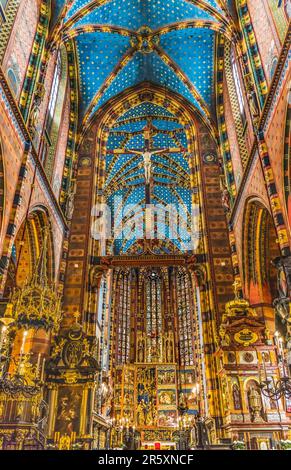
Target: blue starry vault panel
{"x": 149, "y": 67}
{"x": 77, "y": 6}
{"x": 193, "y": 51}
{"x": 98, "y": 54}
{"x": 170, "y": 43}
{"x": 133, "y": 14}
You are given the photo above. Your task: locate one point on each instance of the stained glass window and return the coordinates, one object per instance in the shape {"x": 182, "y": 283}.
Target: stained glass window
{"x": 3, "y": 4}
{"x": 154, "y": 321}
{"x": 123, "y": 316}
{"x": 185, "y": 324}
{"x": 54, "y": 93}
{"x": 237, "y": 82}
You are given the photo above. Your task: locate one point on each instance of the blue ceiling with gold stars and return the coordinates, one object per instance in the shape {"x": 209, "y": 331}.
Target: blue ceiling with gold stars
{"x": 121, "y": 43}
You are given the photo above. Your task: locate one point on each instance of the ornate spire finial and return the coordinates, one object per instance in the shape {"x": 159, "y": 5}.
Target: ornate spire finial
{"x": 37, "y": 304}
{"x": 77, "y": 316}
{"x": 8, "y": 316}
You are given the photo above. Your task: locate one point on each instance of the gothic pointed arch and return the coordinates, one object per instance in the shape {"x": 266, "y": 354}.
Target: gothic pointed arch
{"x": 27, "y": 248}
{"x": 260, "y": 249}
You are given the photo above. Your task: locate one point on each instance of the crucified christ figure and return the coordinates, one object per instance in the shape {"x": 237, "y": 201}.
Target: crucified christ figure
{"x": 147, "y": 160}
{"x": 147, "y": 157}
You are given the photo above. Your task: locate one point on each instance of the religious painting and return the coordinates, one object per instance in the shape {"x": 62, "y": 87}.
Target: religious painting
{"x": 166, "y": 377}
{"x": 68, "y": 410}
{"x": 146, "y": 386}
{"x": 188, "y": 377}
{"x": 157, "y": 435}
{"x": 129, "y": 377}
{"x": 167, "y": 397}
{"x": 146, "y": 396}
{"x": 128, "y": 397}
{"x": 192, "y": 399}
{"x": 117, "y": 396}
{"x": 167, "y": 418}
{"x": 146, "y": 413}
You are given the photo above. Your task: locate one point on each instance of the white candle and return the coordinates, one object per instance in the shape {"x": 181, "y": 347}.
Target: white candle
{"x": 38, "y": 366}
{"x": 23, "y": 342}
{"x": 42, "y": 372}
{"x": 2, "y": 336}
{"x": 22, "y": 350}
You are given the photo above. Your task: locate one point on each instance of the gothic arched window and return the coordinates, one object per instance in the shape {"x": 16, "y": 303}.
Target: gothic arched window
{"x": 3, "y": 4}
{"x": 287, "y": 6}
{"x": 54, "y": 94}
{"x": 153, "y": 305}
{"x": 123, "y": 317}
{"x": 56, "y": 123}
{"x": 185, "y": 327}
{"x": 237, "y": 82}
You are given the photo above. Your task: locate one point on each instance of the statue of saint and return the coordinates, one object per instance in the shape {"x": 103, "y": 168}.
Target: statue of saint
{"x": 225, "y": 199}
{"x": 141, "y": 413}
{"x": 255, "y": 403}
{"x": 70, "y": 205}
{"x": 236, "y": 397}
{"x": 253, "y": 101}
{"x": 35, "y": 110}
{"x": 33, "y": 118}
{"x": 141, "y": 349}
{"x": 182, "y": 401}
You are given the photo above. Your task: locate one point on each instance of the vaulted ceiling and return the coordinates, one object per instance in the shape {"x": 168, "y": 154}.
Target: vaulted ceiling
{"x": 122, "y": 43}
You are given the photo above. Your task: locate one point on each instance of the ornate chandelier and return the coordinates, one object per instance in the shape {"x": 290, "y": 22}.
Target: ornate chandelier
{"x": 37, "y": 304}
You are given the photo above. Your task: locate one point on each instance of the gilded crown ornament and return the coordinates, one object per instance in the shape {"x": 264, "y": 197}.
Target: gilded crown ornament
{"x": 239, "y": 306}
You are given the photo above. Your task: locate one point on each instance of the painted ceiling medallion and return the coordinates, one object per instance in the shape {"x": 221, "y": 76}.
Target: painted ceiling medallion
{"x": 145, "y": 40}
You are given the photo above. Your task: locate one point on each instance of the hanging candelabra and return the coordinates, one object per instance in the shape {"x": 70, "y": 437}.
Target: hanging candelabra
{"x": 34, "y": 306}
{"x": 25, "y": 381}
{"x": 276, "y": 389}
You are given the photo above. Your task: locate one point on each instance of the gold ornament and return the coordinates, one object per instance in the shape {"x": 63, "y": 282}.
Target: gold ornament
{"x": 37, "y": 304}
{"x": 246, "y": 337}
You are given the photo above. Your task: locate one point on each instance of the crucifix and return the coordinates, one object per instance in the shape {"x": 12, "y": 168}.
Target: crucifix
{"x": 147, "y": 153}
